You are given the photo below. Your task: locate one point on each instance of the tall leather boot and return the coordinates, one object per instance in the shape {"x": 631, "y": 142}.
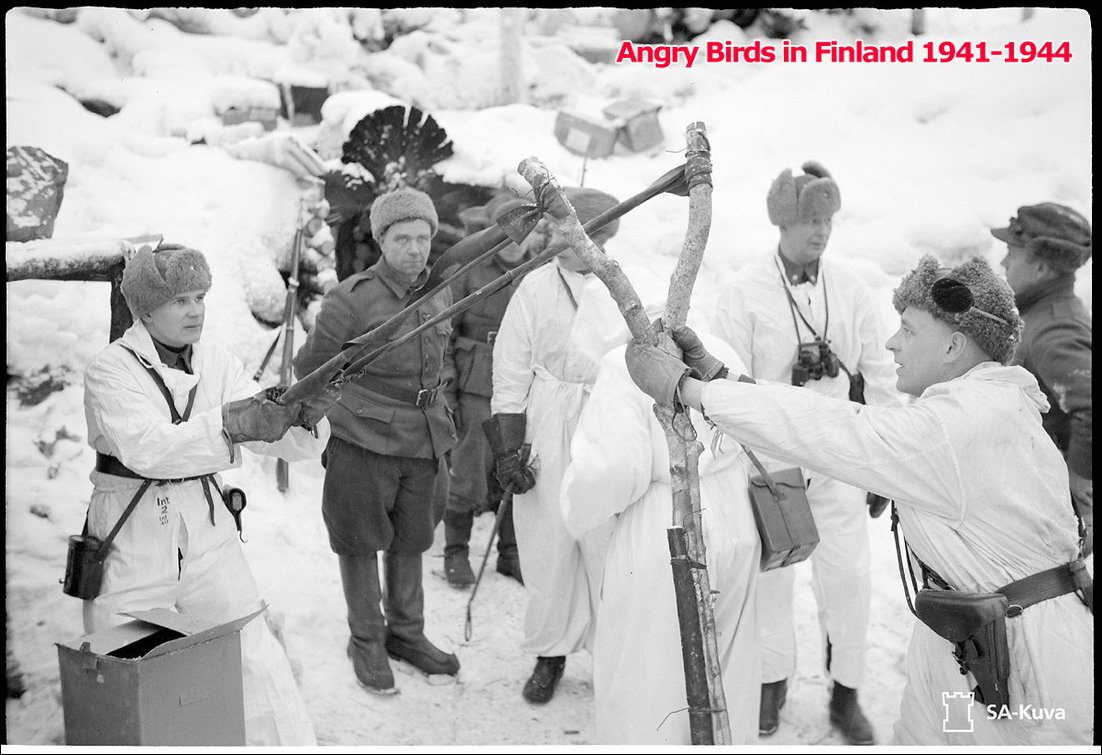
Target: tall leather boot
{"x": 508, "y": 559}
{"x": 773, "y": 696}
{"x": 405, "y": 617}
{"x": 362, "y": 594}
{"x": 847, "y": 717}
{"x": 457, "y": 536}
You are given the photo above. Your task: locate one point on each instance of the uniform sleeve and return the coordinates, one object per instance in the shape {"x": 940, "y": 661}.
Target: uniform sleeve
{"x": 133, "y": 420}
{"x": 898, "y": 452}
{"x": 1063, "y": 363}
{"x": 611, "y": 452}
{"x": 334, "y": 326}
{"x": 512, "y": 359}
{"x": 875, "y": 363}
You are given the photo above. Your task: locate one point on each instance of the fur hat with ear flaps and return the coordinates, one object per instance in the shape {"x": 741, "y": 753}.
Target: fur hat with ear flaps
{"x": 152, "y": 278}
{"x": 800, "y": 198}
{"x": 990, "y": 293}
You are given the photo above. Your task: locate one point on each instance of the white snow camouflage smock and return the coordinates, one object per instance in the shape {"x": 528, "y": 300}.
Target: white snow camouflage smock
{"x": 128, "y": 418}
{"x": 620, "y": 475}
{"x": 555, "y": 330}
{"x": 982, "y": 497}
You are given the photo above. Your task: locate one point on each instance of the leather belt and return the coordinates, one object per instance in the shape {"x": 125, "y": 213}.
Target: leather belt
{"x": 422, "y": 399}
{"x": 489, "y": 338}
{"x": 111, "y": 465}
{"x": 1050, "y": 583}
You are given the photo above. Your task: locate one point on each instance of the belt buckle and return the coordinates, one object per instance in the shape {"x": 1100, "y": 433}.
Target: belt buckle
{"x": 491, "y": 337}
{"x": 425, "y": 397}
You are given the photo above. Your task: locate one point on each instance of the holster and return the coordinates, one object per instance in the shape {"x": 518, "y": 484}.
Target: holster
{"x": 505, "y": 432}
{"x": 976, "y": 625}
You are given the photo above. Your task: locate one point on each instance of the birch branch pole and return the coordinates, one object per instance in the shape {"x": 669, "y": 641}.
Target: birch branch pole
{"x": 708, "y": 718}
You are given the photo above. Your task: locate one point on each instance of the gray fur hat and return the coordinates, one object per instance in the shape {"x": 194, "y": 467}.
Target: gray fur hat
{"x": 401, "y": 204}
{"x": 1057, "y": 234}
{"x": 153, "y": 277}
{"x": 990, "y": 293}
{"x": 800, "y": 198}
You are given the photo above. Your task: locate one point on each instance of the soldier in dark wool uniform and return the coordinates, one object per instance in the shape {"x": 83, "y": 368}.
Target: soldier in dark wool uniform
{"x": 384, "y": 466}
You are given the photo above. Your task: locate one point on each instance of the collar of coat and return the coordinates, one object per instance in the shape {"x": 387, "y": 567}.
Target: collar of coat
{"x": 389, "y": 276}
{"x": 1064, "y": 284}
{"x": 797, "y": 274}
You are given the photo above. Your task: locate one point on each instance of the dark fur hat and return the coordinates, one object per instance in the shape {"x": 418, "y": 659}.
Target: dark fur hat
{"x": 1057, "y": 234}
{"x": 153, "y": 277}
{"x": 798, "y": 199}
{"x": 990, "y": 293}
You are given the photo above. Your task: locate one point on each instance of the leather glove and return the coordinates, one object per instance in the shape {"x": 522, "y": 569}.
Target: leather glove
{"x": 655, "y": 372}
{"x": 513, "y": 471}
{"x": 704, "y": 366}
{"x": 505, "y": 433}
{"x": 876, "y": 504}
{"x": 257, "y": 418}
{"x": 313, "y": 409}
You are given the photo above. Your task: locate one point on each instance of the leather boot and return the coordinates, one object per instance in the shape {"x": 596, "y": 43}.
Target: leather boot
{"x": 362, "y": 593}
{"x": 846, "y": 716}
{"x": 540, "y": 686}
{"x": 457, "y": 535}
{"x": 405, "y": 617}
{"x": 773, "y": 696}
{"x": 508, "y": 559}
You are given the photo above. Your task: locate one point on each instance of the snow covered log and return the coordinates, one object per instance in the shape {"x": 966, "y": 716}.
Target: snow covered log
{"x": 88, "y": 259}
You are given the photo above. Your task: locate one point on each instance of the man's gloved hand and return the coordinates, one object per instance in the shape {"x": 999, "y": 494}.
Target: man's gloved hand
{"x": 257, "y": 418}
{"x": 313, "y": 409}
{"x": 505, "y": 433}
{"x": 876, "y": 504}
{"x": 513, "y": 471}
{"x": 704, "y": 366}
{"x": 655, "y": 372}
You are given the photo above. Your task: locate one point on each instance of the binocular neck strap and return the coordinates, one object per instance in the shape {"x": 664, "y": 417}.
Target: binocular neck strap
{"x": 795, "y": 310}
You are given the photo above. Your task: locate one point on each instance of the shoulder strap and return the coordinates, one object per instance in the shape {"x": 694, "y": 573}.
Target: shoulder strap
{"x": 105, "y": 546}
{"x": 177, "y": 418}
{"x": 567, "y": 287}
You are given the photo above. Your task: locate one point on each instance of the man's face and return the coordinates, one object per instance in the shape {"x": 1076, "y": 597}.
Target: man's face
{"x": 178, "y": 322}
{"x": 406, "y": 246}
{"x": 919, "y": 348}
{"x": 1023, "y": 270}
{"x": 804, "y": 242}
{"x": 511, "y": 253}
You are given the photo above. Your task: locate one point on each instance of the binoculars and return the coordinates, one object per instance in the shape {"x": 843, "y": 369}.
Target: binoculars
{"x": 813, "y": 360}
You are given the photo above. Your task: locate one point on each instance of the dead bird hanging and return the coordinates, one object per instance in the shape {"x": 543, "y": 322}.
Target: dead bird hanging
{"x": 399, "y": 147}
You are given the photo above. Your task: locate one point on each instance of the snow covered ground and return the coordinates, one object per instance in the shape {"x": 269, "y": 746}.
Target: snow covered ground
{"x": 928, "y": 156}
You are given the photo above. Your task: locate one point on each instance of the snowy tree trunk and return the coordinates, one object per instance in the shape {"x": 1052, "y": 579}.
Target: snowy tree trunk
{"x": 512, "y": 74}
